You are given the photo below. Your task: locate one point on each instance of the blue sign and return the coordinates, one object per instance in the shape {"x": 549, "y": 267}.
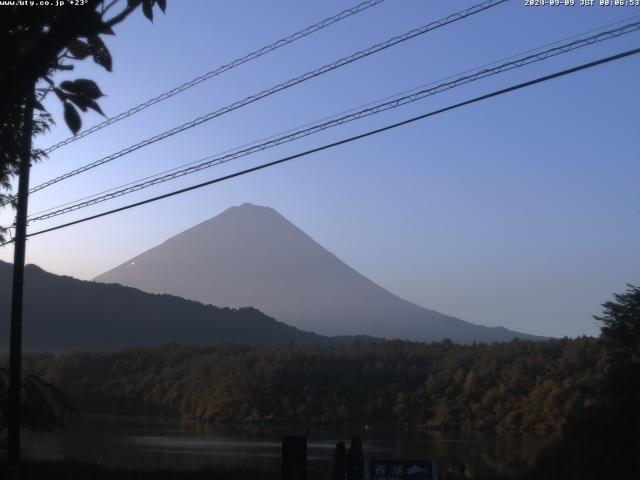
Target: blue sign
{"x": 403, "y": 470}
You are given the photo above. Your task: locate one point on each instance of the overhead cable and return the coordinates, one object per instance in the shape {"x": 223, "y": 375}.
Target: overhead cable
{"x": 219, "y": 70}
{"x": 277, "y": 88}
{"x": 219, "y": 159}
{"x": 487, "y": 96}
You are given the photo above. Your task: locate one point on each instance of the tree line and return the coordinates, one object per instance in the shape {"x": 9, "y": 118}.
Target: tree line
{"x": 518, "y": 385}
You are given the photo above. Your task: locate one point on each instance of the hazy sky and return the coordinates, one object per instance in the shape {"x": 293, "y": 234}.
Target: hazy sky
{"x": 522, "y": 211}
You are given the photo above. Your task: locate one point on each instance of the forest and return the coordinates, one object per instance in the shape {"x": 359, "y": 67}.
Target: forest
{"x": 512, "y": 386}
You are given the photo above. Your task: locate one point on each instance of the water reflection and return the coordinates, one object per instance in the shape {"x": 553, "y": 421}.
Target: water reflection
{"x": 151, "y": 444}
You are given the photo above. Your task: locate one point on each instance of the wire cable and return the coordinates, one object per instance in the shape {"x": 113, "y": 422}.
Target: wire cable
{"x": 277, "y": 88}
{"x": 224, "y": 68}
{"x": 219, "y": 159}
{"x": 308, "y": 124}
{"x": 369, "y": 133}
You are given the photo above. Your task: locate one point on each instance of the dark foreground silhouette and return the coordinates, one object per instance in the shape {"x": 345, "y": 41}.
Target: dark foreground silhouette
{"x": 355, "y": 460}
{"x": 340, "y": 461}
{"x": 71, "y": 470}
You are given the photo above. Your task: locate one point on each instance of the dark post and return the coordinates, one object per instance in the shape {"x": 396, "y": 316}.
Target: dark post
{"x": 294, "y": 458}
{"x": 15, "y": 347}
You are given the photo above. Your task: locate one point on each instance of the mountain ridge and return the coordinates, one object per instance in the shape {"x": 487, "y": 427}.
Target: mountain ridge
{"x": 62, "y": 313}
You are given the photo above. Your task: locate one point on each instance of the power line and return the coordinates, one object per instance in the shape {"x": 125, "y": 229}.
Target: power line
{"x": 348, "y": 140}
{"x": 308, "y": 124}
{"x": 486, "y": 65}
{"x": 218, "y": 159}
{"x": 281, "y": 86}
{"x": 224, "y": 68}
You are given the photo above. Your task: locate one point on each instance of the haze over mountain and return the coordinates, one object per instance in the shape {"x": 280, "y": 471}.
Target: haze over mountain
{"x": 252, "y": 256}
{"x": 62, "y": 313}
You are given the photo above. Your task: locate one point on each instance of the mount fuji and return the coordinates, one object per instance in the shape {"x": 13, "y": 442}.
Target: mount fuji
{"x": 252, "y": 256}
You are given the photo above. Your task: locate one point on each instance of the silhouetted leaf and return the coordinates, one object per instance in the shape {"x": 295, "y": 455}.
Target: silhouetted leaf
{"x": 72, "y": 117}
{"x": 60, "y": 94}
{"x": 65, "y": 67}
{"x": 84, "y": 87}
{"x": 38, "y": 106}
{"x": 84, "y": 103}
{"x": 79, "y": 49}
{"x": 92, "y": 24}
{"x": 93, "y": 105}
{"x": 162, "y": 4}
{"x": 79, "y": 101}
{"x": 100, "y": 52}
{"x": 68, "y": 86}
{"x": 89, "y": 88}
{"x": 147, "y": 9}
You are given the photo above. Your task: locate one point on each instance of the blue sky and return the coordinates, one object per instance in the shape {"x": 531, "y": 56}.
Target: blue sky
{"x": 522, "y": 211}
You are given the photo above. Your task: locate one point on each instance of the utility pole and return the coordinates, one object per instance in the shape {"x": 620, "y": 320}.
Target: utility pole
{"x": 15, "y": 347}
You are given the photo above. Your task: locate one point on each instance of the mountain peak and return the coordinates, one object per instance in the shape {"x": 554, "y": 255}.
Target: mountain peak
{"x": 247, "y": 210}
{"x": 249, "y": 206}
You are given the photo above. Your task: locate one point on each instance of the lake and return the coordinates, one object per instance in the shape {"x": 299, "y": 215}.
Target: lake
{"x": 140, "y": 443}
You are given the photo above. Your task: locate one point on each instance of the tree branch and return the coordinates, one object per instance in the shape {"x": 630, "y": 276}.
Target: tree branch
{"x": 106, "y": 9}
{"x": 123, "y": 14}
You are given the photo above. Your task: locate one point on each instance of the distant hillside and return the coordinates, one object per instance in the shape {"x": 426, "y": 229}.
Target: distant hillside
{"x": 62, "y": 313}
{"x": 251, "y": 255}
